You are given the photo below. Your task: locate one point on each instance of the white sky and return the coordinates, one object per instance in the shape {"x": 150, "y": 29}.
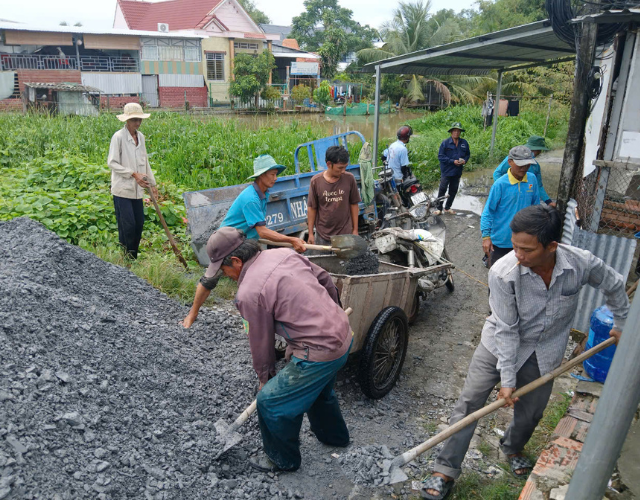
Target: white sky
{"x": 99, "y": 13}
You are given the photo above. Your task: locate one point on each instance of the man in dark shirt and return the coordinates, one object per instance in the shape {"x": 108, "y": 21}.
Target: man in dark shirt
{"x": 282, "y": 292}
{"x": 454, "y": 153}
{"x": 332, "y": 207}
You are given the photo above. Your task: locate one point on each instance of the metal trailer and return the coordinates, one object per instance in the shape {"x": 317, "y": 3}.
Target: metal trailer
{"x": 287, "y": 206}
{"x": 382, "y": 304}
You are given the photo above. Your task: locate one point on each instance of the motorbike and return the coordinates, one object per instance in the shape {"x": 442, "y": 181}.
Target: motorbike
{"x": 408, "y": 233}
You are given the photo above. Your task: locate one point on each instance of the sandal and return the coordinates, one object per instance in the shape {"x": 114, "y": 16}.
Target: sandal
{"x": 438, "y": 484}
{"x": 518, "y": 463}
{"x": 449, "y": 211}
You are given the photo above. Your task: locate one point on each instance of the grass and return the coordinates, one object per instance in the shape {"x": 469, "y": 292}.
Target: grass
{"x": 556, "y": 409}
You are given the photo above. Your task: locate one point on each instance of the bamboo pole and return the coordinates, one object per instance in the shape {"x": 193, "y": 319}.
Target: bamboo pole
{"x": 546, "y": 125}
{"x": 410, "y": 455}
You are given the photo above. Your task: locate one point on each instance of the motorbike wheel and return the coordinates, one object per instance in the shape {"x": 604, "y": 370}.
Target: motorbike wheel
{"x": 449, "y": 283}
{"x": 383, "y": 353}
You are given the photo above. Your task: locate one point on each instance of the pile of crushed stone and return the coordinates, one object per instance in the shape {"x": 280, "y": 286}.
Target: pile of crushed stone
{"x": 365, "y": 465}
{"x": 103, "y": 395}
{"x": 201, "y": 237}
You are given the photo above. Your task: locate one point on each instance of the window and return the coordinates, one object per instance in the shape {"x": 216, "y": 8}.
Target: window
{"x": 215, "y": 66}
{"x": 149, "y": 53}
{"x": 245, "y": 45}
{"x": 168, "y": 49}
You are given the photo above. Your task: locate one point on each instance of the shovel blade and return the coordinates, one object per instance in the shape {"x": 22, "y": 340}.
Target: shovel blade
{"x": 227, "y": 436}
{"x": 349, "y": 246}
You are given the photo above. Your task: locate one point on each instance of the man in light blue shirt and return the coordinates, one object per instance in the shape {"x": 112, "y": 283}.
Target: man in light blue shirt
{"x": 397, "y": 153}
{"x": 536, "y": 144}
{"x": 248, "y": 214}
{"x": 509, "y": 194}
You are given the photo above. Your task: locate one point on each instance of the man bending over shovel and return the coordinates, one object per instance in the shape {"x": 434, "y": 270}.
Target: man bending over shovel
{"x": 282, "y": 292}
{"x": 534, "y": 296}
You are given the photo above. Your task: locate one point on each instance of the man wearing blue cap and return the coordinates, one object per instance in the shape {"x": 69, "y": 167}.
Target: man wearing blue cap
{"x": 248, "y": 213}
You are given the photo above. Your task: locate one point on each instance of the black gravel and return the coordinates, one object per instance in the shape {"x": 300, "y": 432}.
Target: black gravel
{"x": 102, "y": 394}
{"x": 367, "y": 263}
{"x": 201, "y": 236}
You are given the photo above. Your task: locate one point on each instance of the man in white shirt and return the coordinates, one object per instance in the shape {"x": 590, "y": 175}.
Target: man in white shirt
{"x": 397, "y": 153}
{"x": 129, "y": 166}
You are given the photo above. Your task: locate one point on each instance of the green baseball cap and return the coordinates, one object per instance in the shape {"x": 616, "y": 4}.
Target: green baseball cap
{"x": 456, "y": 125}
{"x": 536, "y": 143}
{"x": 264, "y": 163}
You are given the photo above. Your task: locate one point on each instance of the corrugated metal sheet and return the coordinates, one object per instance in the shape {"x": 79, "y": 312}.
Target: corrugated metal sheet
{"x": 82, "y": 30}
{"x": 500, "y": 50}
{"x": 114, "y": 83}
{"x": 615, "y": 251}
{"x": 181, "y": 80}
{"x": 116, "y": 42}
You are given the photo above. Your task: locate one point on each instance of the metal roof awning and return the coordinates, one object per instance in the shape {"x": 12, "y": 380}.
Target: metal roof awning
{"x": 64, "y": 87}
{"x": 295, "y": 55}
{"x": 515, "y": 48}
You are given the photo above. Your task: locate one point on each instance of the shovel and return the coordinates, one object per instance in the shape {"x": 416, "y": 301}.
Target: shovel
{"x": 345, "y": 246}
{"x": 175, "y": 248}
{"x": 228, "y": 434}
{"x": 392, "y": 467}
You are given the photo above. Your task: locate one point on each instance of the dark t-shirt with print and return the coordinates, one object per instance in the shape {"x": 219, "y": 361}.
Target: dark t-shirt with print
{"x": 333, "y": 204}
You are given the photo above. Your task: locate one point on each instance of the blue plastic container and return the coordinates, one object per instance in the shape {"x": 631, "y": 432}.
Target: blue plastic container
{"x": 597, "y": 366}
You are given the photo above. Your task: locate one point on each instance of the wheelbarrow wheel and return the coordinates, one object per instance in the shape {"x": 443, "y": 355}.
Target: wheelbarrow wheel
{"x": 383, "y": 353}
{"x": 449, "y": 282}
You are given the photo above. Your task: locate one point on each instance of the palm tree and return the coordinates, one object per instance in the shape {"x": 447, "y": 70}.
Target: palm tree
{"x": 412, "y": 28}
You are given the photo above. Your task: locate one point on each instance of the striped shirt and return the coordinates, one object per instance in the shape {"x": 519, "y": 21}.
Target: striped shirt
{"x": 528, "y": 318}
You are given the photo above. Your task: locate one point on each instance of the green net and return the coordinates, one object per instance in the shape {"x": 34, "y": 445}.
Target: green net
{"x": 359, "y": 109}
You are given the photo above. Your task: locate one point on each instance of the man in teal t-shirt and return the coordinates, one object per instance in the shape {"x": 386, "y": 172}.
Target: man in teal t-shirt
{"x": 509, "y": 194}
{"x": 536, "y": 144}
{"x": 248, "y": 213}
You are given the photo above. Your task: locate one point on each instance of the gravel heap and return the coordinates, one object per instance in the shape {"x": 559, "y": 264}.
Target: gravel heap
{"x": 365, "y": 465}
{"x": 103, "y": 395}
{"x": 201, "y": 237}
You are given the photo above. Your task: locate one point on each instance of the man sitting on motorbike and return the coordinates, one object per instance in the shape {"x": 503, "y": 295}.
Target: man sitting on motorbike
{"x": 398, "y": 155}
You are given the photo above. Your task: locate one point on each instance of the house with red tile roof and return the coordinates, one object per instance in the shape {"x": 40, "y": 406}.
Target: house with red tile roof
{"x": 225, "y": 26}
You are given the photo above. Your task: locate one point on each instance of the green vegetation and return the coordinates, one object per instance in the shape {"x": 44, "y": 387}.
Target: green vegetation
{"x": 251, "y": 74}
{"x": 556, "y": 409}
{"x": 323, "y": 93}
{"x": 432, "y": 129}
{"x": 476, "y": 487}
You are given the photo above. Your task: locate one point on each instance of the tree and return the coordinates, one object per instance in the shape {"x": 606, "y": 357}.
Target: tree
{"x": 64, "y": 23}
{"x": 251, "y": 75}
{"x": 322, "y": 94}
{"x": 321, "y": 21}
{"x": 256, "y": 14}
{"x": 78, "y": 24}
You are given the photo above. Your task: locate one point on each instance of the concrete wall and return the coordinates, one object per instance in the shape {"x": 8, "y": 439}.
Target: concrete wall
{"x": 219, "y": 90}
{"x": 174, "y": 97}
{"x": 117, "y": 103}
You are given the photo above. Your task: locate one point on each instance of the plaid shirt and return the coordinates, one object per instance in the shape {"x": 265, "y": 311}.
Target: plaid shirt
{"x": 528, "y": 318}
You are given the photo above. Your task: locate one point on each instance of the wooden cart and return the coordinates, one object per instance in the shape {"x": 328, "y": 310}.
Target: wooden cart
{"x": 382, "y": 304}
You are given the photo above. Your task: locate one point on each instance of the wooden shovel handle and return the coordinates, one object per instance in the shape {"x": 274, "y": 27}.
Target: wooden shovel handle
{"x": 175, "y": 248}
{"x": 410, "y": 455}
{"x": 289, "y": 245}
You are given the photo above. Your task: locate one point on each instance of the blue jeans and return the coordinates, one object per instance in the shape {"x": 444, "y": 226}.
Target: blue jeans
{"x": 300, "y": 387}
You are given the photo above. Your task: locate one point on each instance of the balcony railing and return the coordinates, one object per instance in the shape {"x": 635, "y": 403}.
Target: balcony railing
{"x": 107, "y": 64}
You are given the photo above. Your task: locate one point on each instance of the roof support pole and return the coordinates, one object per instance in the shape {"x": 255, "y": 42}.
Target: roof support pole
{"x": 496, "y": 112}
{"x": 580, "y": 108}
{"x": 376, "y": 119}
{"x": 615, "y": 412}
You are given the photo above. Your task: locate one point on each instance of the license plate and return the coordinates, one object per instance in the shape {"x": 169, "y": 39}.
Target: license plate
{"x": 419, "y": 198}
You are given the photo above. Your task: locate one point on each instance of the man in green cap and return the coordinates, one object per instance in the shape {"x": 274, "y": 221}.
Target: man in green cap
{"x": 248, "y": 213}
{"x": 454, "y": 153}
{"x": 536, "y": 144}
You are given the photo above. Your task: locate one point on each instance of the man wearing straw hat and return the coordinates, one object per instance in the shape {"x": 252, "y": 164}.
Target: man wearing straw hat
{"x": 129, "y": 166}
{"x": 537, "y": 145}
{"x": 248, "y": 213}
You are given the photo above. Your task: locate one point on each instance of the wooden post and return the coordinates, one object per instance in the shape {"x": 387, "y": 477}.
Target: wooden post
{"x": 546, "y": 125}
{"x": 496, "y": 112}
{"x": 232, "y": 55}
{"x": 579, "y": 112}
{"x": 271, "y": 70}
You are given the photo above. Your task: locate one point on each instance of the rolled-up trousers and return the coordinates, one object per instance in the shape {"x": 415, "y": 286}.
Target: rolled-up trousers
{"x": 481, "y": 379}
{"x": 300, "y": 387}
{"x": 130, "y": 219}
